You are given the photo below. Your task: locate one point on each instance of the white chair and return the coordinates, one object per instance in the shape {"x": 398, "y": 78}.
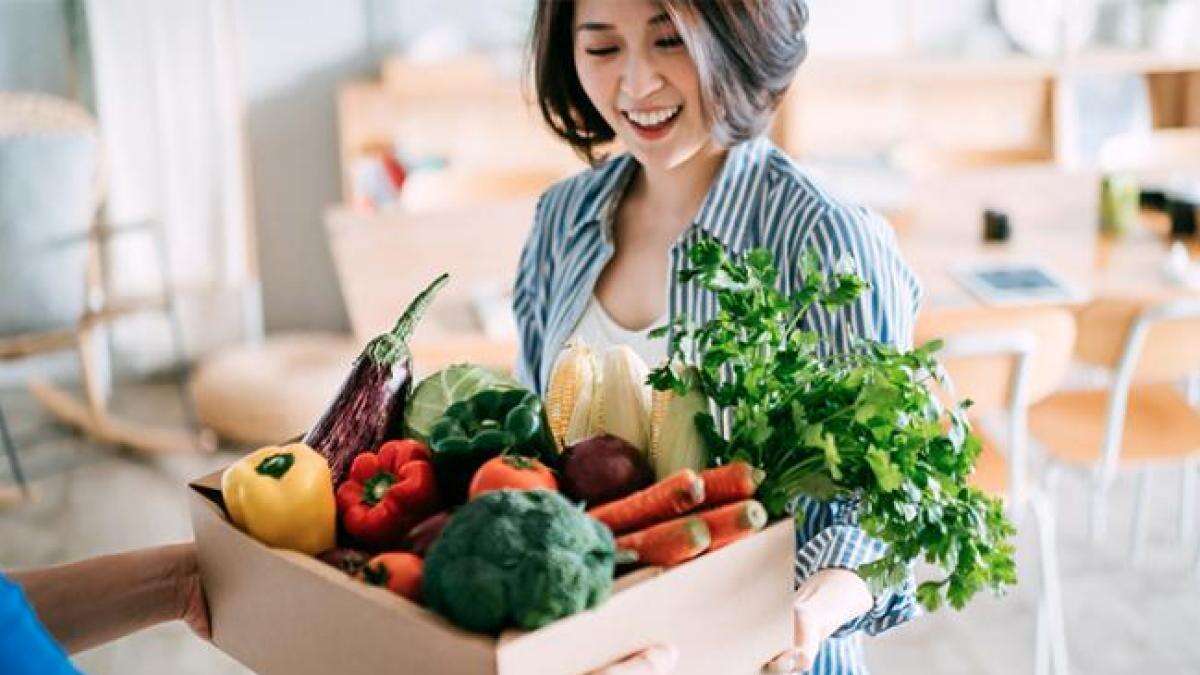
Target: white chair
{"x": 1143, "y": 419}
{"x": 1003, "y": 360}
{"x": 51, "y": 228}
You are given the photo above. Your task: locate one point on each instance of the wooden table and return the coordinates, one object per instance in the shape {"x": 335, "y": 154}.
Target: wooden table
{"x": 1054, "y": 217}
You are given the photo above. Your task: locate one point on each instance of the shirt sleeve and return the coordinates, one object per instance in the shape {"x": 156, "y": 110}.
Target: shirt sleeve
{"x": 829, "y": 538}
{"x": 861, "y": 239}
{"x": 530, "y": 291}
{"x": 25, "y": 646}
{"x": 886, "y": 312}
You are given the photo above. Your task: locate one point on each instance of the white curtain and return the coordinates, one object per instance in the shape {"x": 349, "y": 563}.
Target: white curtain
{"x": 168, "y": 96}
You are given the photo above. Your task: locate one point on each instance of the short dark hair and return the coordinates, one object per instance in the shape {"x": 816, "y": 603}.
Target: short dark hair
{"x": 746, "y": 53}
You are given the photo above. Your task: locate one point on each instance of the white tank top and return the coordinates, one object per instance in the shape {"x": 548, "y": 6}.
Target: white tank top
{"x": 599, "y": 331}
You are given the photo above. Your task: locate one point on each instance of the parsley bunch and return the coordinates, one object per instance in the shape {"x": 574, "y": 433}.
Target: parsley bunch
{"x": 861, "y": 425}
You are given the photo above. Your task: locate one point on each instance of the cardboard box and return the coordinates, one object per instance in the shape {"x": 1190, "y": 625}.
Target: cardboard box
{"x": 276, "y": 611}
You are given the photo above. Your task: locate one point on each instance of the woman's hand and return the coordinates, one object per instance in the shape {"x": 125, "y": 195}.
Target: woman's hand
{"x": 828, "y": 599}
{"x": 657, "y": 660}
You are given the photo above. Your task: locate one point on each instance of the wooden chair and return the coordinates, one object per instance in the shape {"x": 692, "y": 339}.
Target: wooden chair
{"x": 1143, "y": 419}
{"x": 33, "y": 119}
{"x": 1004, "y": 360}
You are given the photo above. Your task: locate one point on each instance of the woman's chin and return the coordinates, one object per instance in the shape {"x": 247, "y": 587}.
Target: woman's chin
{"x": 666, "y": 156}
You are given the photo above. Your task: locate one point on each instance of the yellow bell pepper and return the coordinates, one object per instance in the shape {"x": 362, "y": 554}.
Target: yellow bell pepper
{"x": 283, "y": 496}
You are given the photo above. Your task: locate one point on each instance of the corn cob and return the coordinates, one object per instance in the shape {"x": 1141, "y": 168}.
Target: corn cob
{"x": 623, "y": 405}
{"x": 674, "y": 441}
{"x": 570, "y": 391}
{"x": 588, "y": 396}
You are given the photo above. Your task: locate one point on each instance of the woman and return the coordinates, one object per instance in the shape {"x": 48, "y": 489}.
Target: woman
{"x": 688, "y": 87}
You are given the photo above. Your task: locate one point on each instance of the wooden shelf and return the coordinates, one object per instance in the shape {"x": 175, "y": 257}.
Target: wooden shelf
{"x": 1016, "y": 66}
{"x": 1011, "y": 105}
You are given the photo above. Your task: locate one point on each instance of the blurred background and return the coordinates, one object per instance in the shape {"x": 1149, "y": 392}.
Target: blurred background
{"x": 208, "y": 206}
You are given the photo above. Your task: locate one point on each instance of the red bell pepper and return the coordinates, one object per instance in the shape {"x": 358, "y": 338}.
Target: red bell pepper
{"x": 388, "y": 492}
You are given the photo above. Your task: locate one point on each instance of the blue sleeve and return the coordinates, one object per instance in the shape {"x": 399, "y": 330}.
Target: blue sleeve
{"x": 529, "y": 299}
{"x": 25, "y": 646}
{"x": 862, "y": 240}
{"x": 830, "y": 536}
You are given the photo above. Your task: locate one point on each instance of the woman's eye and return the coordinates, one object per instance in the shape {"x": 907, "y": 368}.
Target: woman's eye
{"x": 601, "y": 51}
{"x": 669, "y": 42}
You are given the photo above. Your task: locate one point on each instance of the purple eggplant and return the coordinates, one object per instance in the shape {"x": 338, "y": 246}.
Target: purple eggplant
{"x": 369, "y": 407}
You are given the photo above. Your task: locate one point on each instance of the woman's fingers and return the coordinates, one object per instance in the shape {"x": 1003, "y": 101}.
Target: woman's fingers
{"x": 795, "y": 660}
{"x": 807, "y": 643}
{"x": 657, "y": 660}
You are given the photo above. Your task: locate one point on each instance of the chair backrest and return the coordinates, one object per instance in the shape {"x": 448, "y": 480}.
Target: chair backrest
{"x": 51, "y": 183}
{"x": 1165, "y": 348}
{"x": 1140, "y": 341}
{"x": 987, "y": 379}
{"x": 1003, "y": 360}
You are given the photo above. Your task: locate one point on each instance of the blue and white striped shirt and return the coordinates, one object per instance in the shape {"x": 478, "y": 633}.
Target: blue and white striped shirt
{"x": 760, "y": 198}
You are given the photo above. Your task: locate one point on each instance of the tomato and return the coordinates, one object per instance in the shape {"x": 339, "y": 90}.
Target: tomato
{"x": 510, "y": 471}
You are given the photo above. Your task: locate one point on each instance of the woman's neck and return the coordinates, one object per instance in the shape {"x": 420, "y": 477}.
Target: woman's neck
{"x": 676, "y": 194}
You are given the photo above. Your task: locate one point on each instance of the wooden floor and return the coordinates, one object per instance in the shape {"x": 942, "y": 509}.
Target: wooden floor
{"x": 94, "y": 500}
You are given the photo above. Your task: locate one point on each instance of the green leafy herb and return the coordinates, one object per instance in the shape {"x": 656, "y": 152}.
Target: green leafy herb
{"x": 863, "y": 425}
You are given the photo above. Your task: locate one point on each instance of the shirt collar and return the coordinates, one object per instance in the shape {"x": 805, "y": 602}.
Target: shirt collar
{"x": 726, "y": 212}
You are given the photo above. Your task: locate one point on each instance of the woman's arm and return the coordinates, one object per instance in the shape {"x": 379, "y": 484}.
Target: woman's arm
{"x": 529, "y": 299}
{"x": 833, "y": 599}
{"x": 88, "y": 603}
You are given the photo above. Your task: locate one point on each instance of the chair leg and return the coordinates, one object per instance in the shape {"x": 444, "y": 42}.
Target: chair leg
{"x": 1098, "y": 514}
{"x": 1187, "y": 503}
{"x": 174, "y": 323}
{"x": 1141, "y": 516}
{"x": 1041, "y": 640}
{"x": 10, "y": 448}
{"x": 1051, "y": 644}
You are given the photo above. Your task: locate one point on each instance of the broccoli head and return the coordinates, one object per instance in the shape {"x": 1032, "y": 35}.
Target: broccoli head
{"x": 523, "y": 557}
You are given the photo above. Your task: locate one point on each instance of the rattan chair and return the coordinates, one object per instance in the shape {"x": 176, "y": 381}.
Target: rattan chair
{"x": 31, "y": 124}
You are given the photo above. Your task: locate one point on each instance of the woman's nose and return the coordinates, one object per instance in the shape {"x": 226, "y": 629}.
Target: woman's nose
{"x": 640, "y": 79}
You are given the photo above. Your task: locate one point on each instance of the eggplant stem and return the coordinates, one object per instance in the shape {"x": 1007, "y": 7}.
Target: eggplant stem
{"x": 392, "y": 346}
{"x": 416, "y": 309}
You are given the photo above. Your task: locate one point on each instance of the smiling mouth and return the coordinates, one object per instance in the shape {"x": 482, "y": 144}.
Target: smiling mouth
{"x": 652, "y": 120}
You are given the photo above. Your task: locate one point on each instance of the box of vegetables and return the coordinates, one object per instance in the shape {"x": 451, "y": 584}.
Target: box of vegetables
{"x": 463, "y": 524}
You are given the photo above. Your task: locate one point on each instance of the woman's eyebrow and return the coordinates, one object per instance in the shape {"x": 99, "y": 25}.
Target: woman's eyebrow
{"x": 594, "y": 25}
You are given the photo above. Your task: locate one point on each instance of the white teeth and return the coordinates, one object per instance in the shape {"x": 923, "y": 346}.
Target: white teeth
{"x": 652, "y": 118}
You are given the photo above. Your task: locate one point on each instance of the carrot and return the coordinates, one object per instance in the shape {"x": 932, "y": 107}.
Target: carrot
{"x": 730, "y": 483}
{"x": 733, "y": 521}
{"x": 398, "y": 572}
{"x": 668, "y": 543}
{"x": 676, "y": 494}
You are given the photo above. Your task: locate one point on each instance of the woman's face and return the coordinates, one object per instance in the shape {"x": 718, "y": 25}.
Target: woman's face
{"x": 637, "y": 72}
